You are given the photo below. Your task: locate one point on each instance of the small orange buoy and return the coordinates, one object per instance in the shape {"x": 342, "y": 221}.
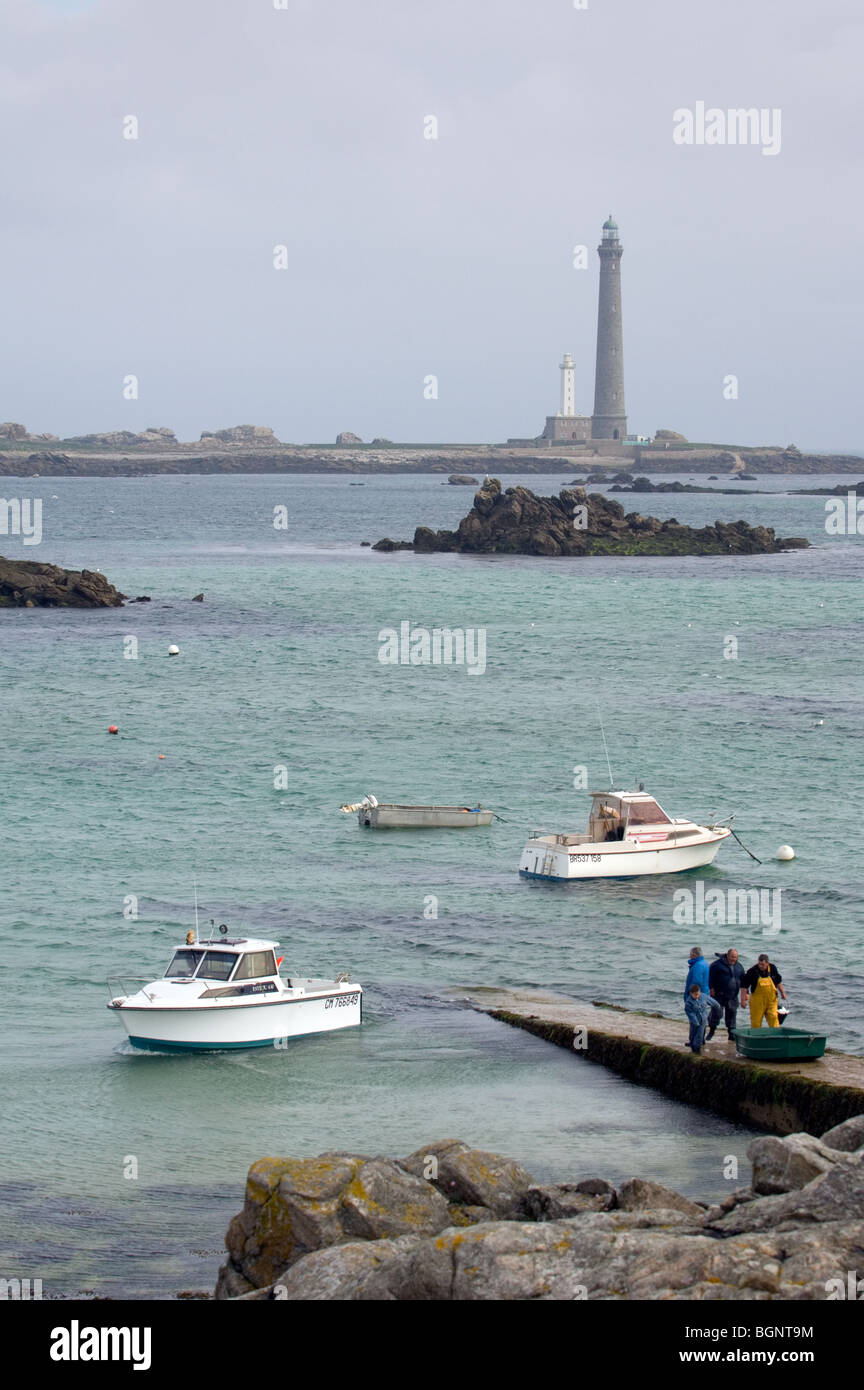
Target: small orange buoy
{"x": 112, "y": 729}
{"x": 161, "y": 755}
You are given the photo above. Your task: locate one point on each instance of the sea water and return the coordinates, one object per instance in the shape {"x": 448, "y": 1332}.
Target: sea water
{"x": 121, "y": 1171}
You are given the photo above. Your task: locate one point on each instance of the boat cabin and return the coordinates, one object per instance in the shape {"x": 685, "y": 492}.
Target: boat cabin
{"x": 613, "y": 814}
{"x": 224, "y": 960}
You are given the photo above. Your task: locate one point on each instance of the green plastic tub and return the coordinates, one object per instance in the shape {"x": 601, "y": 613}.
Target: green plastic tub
{"x": 780, "y": 1044}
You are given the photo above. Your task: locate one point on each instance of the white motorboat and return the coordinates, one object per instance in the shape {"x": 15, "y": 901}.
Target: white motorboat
{"x": 379, "y": 815}
{"x": 228, "y": 993}
{"x": 629, "y": 835}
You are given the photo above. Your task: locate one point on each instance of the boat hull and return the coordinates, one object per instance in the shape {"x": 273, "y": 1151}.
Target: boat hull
{"x": 565, "y": 864}
{"x": 226, "y": 1025}
{"x": 421, "y": 818}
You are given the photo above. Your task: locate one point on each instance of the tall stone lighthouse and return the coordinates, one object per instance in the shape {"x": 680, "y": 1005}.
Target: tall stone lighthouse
{"x": 609, "y": 420}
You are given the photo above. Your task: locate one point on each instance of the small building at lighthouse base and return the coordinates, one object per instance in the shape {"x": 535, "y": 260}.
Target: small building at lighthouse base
{"x": 569, "y": 427}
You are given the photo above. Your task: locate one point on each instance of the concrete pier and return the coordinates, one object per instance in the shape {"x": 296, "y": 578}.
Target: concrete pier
{"x": 783, "y": 1098}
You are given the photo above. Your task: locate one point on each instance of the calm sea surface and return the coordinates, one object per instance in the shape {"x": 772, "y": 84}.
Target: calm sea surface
{"x": 279, "y": 670}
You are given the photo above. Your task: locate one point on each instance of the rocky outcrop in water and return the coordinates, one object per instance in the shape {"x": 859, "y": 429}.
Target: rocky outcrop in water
{"x": 452, "y": 1223}
{"x": 645, "y": 485}
{"x": 839, "y": 491}
{"x": 27, "y": 584}
{"x": 575, "y": 523}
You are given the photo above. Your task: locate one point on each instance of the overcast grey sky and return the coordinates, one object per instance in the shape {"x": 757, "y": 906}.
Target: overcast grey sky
{"x": 407, "y": 256}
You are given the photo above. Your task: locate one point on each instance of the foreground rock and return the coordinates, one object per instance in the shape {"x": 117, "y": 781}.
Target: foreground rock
{"x": 784, "y": 1165}
{"x": 296, "y": 1206}
{"x": 26, "y": 584}
{"x": 472, "y": 1177}
{"x": 517, "y": 522}
{"x": 847, "y": 1136}
{"x": 454, "y": 1223}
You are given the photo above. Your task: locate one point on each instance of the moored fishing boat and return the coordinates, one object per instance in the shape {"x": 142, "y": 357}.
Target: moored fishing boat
{"x": 228, "y": 993}
{"x": 629, "y": 834}
{"x": 378, "y": 815}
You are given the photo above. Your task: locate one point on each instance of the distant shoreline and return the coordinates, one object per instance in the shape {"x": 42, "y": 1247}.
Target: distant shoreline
{"x": 29, "y": 458}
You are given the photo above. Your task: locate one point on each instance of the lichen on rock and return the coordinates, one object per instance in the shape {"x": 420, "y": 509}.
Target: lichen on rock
{"x": 296, "y": 1238}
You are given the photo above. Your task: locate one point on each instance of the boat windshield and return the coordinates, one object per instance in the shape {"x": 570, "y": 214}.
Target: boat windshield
{"x": 185, "y": 963}
{"x": 217, "y": 965}
{"x": 647, "y": 813}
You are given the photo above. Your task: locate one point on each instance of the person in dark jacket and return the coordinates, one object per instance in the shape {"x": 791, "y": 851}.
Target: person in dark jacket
{"x": 697, "y": 974}
{"x": 725, "y": 980}
{"x": 761, "y": 985}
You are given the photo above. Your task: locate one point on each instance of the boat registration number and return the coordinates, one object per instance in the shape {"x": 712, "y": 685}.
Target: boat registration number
{"x": 340, "y": 1001}
{"x": 585, "y": 858}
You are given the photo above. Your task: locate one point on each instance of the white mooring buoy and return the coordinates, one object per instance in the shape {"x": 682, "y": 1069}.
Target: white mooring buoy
{"x": 786, "y": 852}
{"x": 173, "y": 651}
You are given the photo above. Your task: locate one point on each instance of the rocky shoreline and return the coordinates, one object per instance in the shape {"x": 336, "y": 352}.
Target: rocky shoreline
{"x": 453, "y": 1223}
{"x": 28, "y": 584}
{"x": 86, "y": 463}
{"x": 575, "y": 523}
{"x": 256, "y": 449}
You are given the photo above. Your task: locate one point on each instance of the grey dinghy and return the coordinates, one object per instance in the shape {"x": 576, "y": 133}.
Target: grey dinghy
{"x": 388, "y": 816}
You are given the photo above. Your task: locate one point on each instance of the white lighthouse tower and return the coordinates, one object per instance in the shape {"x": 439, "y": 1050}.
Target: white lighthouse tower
{"x": 567, "y": 425}
{"x": 568, "y": 387}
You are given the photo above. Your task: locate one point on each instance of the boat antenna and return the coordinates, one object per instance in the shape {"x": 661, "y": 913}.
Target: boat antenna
{"x": 606, "y": 750}
{"x": 195, "y": 887}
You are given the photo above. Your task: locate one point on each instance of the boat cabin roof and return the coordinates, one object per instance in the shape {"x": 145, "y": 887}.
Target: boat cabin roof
{"x": 239, "y": 945}
{"x": 622, "y": 796}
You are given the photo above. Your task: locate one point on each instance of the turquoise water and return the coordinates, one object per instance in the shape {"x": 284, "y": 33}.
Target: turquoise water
{"x": 278, "y": 670}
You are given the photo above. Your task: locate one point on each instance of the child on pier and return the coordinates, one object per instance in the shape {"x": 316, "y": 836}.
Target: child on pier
{"x": 696, "y": 1009}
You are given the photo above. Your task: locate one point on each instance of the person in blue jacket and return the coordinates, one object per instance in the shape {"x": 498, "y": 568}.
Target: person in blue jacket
{"x": 697, "y": 974}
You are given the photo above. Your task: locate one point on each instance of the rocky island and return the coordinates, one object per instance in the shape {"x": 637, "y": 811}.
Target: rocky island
{"x": 517, "y": 522}
{"x": 28, "y": 584}
{"x": 623, "y": 483}
{"x": 257, "y": 449}
{"x": 452, "y": 1223}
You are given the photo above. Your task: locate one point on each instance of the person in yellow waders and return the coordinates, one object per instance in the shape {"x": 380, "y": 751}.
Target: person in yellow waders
{"x": 761, "y": 986}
